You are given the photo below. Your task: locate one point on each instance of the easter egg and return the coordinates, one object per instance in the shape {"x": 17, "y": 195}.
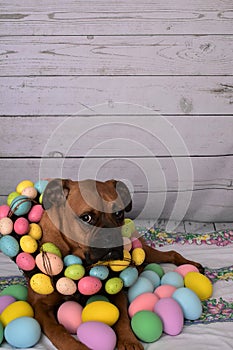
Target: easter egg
{"x": 11, "y": 196}
{"x": 136, "y": 243}
{"x": 128, "y": 228}
{"x": 185, "y": 268}
{"x": 129, "y": 276}
{"x": 23, "y": 332}
{"x": 147, "y": 326}
{"x": 23, "y": 184}
{"x": 119, "y": 265}
{"x": 89, "y": 285}
{"x": 4, "y": 210}
{"x": 41, "y": 198}
{"x": 114, "y": 285}
{"x": 17, "y": 309}
{"x": 49, "y": 247}
{"x": 152, "y": 276}
{"x": 41, "y": 284}
{"x": 145, "y": 301}
{"x": 66, "y": 286}
{"x": 69, "y": 314}
{"x": 156, "y": 268}
{"x": 171, "y": 315}
{"x": 97, "y": 297}
{"x": 200, "y": 284}
{"x": 142, "y": 285}
{"x": 127, "y": 244}
{"x": 75, "y": 272}
{"x": 49, "y": 263}
{"x": 6, "y": 226}
{"x": 173, "y": 278}
{"x": 5, "y": 300}
{"x": 138, "y": 256}
{"x": 165, "y": 291}
{"x": 29, "y": 192}
{"x": 9, "y": 246}
{"x": 40, "y": 185}
{"x": 35, "y": 214}
{"x": 100, "y": 272}
{"x": 102, "y": 336}
{"x": 17, "y": 291}
{"x": 35, "y": 231}
{"x": 72, "y": 260}
{"x": 21, "y": 205}
{"x": 189, "y": 302}
{"x": 101, "y": 311}
{"x": 21, "y": 226}
{"x": 25, "y": 261}
{"x": 28, "y": 244}
{"x": 1, "y": 333}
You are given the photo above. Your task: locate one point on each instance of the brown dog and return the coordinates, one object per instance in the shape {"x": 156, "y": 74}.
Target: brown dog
{"x": 85, "y": 218}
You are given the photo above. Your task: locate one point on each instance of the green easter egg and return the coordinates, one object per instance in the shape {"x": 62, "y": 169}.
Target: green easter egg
{"x": 51, "y": 248}
{"x": 147, "y": 326}
{"x": 1, "y": 333}
{"x": 11, "y": 197}
{"x": 97, "y": 297}
{"x": 17, "y": 291}
{"x": 114, "y": 285}
{"x": 156, "y": 268}
{"x": 128, "y": 228}
{"x": 75, "y": 272}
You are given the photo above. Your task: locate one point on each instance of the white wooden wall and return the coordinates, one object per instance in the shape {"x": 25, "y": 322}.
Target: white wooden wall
{"x": 135, "y": 90}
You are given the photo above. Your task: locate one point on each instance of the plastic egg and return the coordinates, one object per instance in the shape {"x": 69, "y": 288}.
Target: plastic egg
{"x": 72, "y": 260}
{"x": 147, "y": 326}
{"x": 6, "y": 226}
{"x": 100, "y": 272}
{"x": 171, "y": 314}
{"x": 18, "y": 291}
{"x": 142, "y": 285}
{"x": 138, "y": 256}
{"x": 1, "y": 333}
{"x": 11, "y": 197}
{"x": 97, "y": 297}
{"x": 66, "y": 286}
{"x": 145, "y": 301}
{"x": 127, "y": 244}
{"x": 129, "y": 276}
{"x": 49, "y": 247}
{"x": 200, "y": 284}
{"x": 23, "y": 184}
{"x": 119, "y": 265}
{"x": 28, "y": 244}
{"x": 35, "y": 231}
{"x": 40, "y": 185}
{"x": 21, "y": 205}
{"x": 152, "y": 276}
{"x": 136, "y": 243}
{"x": 6, "y": 300}
{"x": 49, "y": 263}
{"x": 29, "y": 192}
{"x": 128, "y": 228}
{"x": 23, "y": 332}
{"x": 9, "y": 246}
{"x": 75, "y": 272}
{"x": 21, "y": 226}
{"x": 35, "y": 214}
{"x": 4, "y": 211}
{"x": 41, "y": 284}
{"x": 114, "y": 285}
{"x": 17, "y": 309}
{"x": 25, "y": 261}
{"x": 69, "y": 315}
{"x": 156, "y": 268}
{"x": 165, "y": 291}
{"x": 189, "y": 302}
{"x": 89, "y": 285}
{"x": 102, "y": 336}
{"x": 173, "y": 278}
{"x": 101, "y": 311}
{"x": 184, "y": 269}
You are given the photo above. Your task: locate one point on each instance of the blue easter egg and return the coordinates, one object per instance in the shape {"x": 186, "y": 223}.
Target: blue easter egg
{"x": 100, "y": 272}
{"x": 21, "y": 205}
{"x": 40, "y": 185}
{"x": 142, "y": 285}
{"x": 9, "y": 246}
{"x": 152, "y": 276}
{"x": 72, "y": 260}
{"x": 173, "y": 278}
{"x": 129, "y": 276}
{"x": 189, "y": 302}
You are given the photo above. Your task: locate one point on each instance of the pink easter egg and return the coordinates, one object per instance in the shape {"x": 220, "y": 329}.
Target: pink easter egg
{"x": 21, "y": 226}
{"x": 145, "y": 301}
{"x": 184, "y": 269}
{"x": 25, "y": 261}
{"x": 136, "y": 243}
{"x": 69, "y": 315}
{"x": 6, "y": 300}
{"x": 89, "y": 285}
{"x": 4, "y": 210}
{"x": 35, "y": 213}
{"x": 165, "y": 291}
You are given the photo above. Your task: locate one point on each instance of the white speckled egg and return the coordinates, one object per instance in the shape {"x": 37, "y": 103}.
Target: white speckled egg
{"x": 49, "y": 263}
{"x": 66, "y": 286}
{"x": 6, "y": 226}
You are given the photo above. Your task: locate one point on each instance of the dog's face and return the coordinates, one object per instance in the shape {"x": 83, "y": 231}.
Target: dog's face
{"x": 87, "y": 216}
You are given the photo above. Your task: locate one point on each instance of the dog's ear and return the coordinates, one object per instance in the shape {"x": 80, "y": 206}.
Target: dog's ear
{"x": 123, "y": 192}
{"x": 56, "y": 193}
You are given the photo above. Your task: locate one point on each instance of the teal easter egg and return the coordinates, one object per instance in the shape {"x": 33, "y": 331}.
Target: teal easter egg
{"x": 40, "y": 185}
{"x": 189, "y": 302}
{"x": 9, "y": 246}
{"x": 100, "y": 272}
{"x": 142, "y": 285}
{"x": 129, "y": 276}
{"x": 173, "y": 278}
{"x": 21, "y": 205}
{"x": 151, "y": 276}
{"x": 72, "y": 260}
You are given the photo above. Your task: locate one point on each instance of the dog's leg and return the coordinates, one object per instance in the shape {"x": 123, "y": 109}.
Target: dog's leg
{"x": 125, "y": 336}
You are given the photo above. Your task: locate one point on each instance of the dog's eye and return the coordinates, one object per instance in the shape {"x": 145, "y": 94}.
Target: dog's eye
{"x": 86, "y": 218}
{"x": 119, "y": 214}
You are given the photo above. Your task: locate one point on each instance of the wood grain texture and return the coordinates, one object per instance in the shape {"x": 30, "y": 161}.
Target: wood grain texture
{"x": 115, "y": 17}
{"x": 116, "y": 55}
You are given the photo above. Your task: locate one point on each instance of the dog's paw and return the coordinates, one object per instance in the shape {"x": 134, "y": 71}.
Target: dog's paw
{"x": 129, "y": 343}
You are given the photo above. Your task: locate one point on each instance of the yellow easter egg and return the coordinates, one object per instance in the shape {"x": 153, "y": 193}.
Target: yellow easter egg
{"x": 128, "y": 228}
{"x": 138, "y": 256}
{"x": 41, "y": 198}
{"x": 28, "y": 244}
{"x": 119, "y": 265}
{"x": 101, "y": 311}
{"x": 24, "y": 184}
{"x": 41, "y": 284}
{"x": 15, "y": 310}
{"x": 199, "y": 284}
{"x": 35, "y": 231}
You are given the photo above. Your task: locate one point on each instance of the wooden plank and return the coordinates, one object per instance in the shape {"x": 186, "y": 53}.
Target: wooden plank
{"x": 116, "y": 55}
{"x": 116, "y": 95}
{"x": 118, "y": 17}
{"x": 198, "y": 227}
{"x": 223, "y": 226}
